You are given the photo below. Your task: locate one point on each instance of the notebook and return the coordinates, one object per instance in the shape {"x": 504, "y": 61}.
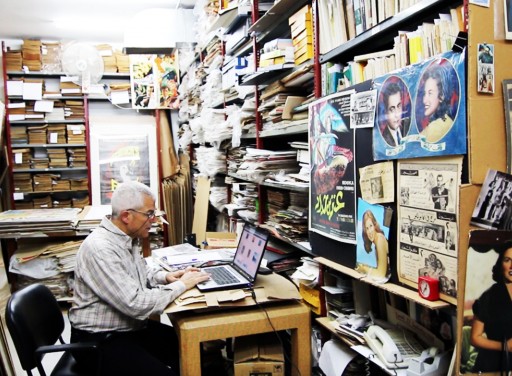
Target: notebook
{"x": 242, "y": 271}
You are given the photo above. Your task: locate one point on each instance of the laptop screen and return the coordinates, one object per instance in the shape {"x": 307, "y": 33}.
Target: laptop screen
{"x": 250, "y": 250}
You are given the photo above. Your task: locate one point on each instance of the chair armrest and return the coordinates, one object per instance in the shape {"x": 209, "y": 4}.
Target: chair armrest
{"x": 79, "y": 346}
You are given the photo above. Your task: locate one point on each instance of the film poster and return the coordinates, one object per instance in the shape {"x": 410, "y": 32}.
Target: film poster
{"x": 332, "y": 191}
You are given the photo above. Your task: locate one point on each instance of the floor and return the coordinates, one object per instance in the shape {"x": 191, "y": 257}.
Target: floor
{"x": 212, "y": 366}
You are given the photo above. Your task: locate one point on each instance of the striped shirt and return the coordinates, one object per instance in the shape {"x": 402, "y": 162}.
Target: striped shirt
{"x": 114, "y": 288}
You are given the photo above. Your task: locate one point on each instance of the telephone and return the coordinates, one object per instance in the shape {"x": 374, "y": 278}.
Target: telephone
{"x": 394, "y": 347}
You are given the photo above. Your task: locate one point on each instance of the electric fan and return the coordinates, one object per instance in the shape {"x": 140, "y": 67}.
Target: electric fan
{"x": 83, "y": 63}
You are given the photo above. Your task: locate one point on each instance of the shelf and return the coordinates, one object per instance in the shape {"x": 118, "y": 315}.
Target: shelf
{"x": 281, "y": 11}
{"x": 384, "y": 32}
{"x": 289, "y": 242}
{"x": 284, "y": 186}
{"x": 61, "y": 74}
{"x": 228, "y": 19}
{"x": 24, "y": 122}
{"x": 15, "y": 146}
{"x": 50, "y": 169}
{"x": 326, "y": 323}
{"x": 267, "y": 75}
{"x": 52, "y": 98}
{"x": 390, "y": 287}
{"x": 293, "y": 129}
{"x": 50, "y": 192}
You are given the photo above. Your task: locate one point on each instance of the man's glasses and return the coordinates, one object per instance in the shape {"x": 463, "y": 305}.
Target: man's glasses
{"x": 149, "y": 214}
{"x": 152, "y": 214}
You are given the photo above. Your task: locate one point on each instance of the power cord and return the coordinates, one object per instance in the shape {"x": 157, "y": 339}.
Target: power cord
{"x": 253, "y": 294}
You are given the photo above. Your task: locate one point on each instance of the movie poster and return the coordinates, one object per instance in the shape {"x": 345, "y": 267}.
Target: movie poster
{"x": 421, "y": 110}
{"x": 332, "y": 192}
{"x": 154, "y": 81}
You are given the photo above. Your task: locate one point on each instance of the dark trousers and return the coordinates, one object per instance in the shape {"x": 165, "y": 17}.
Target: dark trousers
{"x": 151, "y": 351}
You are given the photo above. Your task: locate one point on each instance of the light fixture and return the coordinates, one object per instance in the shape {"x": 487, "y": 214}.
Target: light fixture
{"x": 159, "y": 31}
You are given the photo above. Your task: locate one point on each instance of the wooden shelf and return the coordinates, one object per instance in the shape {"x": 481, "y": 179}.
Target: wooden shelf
{"x": 50, "y": 192}
{"x": 48, "y": 145}
{"x": 390, "y": 287}
{"x": 50, "y": 169}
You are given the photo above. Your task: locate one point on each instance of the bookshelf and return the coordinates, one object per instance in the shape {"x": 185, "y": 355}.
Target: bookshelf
{"x": 47, "y": 151}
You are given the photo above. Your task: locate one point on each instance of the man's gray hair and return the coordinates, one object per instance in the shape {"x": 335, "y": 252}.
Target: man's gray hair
{"x": 129, "y": 195}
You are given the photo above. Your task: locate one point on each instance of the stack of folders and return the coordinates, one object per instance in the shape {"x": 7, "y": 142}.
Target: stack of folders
{"x": 43, "y": 182}
{"x": 58, "y": 157}
{"x": 22, "y": 182}
{"x": 22, "y": 158}
{"x": 80, "y": 201}
{"x": 31, "y": 52}
{"x": 14, "y": 60}
{"x": 57, "y": 134}
{"x": 19, "y": 135}
{"x": 77, "y": 157}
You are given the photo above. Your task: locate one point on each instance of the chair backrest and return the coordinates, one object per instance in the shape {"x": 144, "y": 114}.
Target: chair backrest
{"x": 34, "y": 319}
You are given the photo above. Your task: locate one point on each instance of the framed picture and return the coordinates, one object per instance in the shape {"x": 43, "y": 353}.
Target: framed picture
{"x": 507, "y": 105}
{"x": 120, "y": 153}
{"x": 508, "y": 18}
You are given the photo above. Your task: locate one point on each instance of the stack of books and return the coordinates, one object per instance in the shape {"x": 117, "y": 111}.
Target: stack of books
{"x": 122, "y": 62}
{"x": 37, "y": 134}
{"x": 22, "y": 182}
{"x": 79, "y": 184}
{"x": 31, "y": 53}
{"x": 51, "y": 57}
{"x": 42, "y": 182}
{"x": 57, "y": 114}
{"x": 59, "y": 184}
{"x": 21, "y": 158}
{"x": 16, "y": 111}
{"x": 13, "y": 60}
{"x": 74, "y": 109}
{"x": 42, "y": 202}
{"x": 302, "y": 34}
{"x": 57, "y": 133}
{"x": 276, "y": 52}
{"x": 68, "y": 87}
{"x": 77, "y": 157}
{"x": 80, "y": 202}
{"x": 61, "y": 202}
{"x": 75, "y": 133}
{"x": 19, "y": 135}
{"x": 58, "y": 157}
{"x": 109, "y": 60}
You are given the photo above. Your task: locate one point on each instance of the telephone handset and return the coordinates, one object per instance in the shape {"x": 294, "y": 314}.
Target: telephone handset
{"x": 394, "y": 347}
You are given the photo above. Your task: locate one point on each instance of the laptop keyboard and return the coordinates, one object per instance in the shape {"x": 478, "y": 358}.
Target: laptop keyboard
{"x": 221, "y": 276}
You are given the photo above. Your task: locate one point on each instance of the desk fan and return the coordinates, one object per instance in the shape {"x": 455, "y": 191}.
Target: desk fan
{"x": 83, "y": 63}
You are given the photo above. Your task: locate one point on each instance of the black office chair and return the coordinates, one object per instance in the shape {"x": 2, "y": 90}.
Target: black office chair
{"x": 35, "y": 322}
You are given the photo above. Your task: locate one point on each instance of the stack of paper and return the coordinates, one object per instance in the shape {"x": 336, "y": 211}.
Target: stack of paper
{"x": 14, "y": 60}
{"x": 77, "y": 157}
{"x": 58, "y": 157}
{"x": 22, "y": 182}
{"x": 80, "y": 201}
{"x": 75, "y": 133}
{"x": 31, "y": 52}
{"x": 43, "y": 182}
{"x": 37, "y": 134}
{"x": 22, "y": 158}
{"x": 57, "y": 133}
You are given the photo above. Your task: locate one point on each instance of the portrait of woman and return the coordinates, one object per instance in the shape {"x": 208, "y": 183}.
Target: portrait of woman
{"x": 437, "y": 100}
{"x": 373, "y": 259}
{"x": 487, "y": 324}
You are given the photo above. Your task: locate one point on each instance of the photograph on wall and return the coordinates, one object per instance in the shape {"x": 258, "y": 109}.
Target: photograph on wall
{"x": 332, "y": 187}
{"x": 485, "y": 68}
{"x": 507, "y": 105}
{"x": 427, "y": 222}
{"x": 362, "y": 104}
{"x": 154, "y": 81}
{"x": 508, "y": 18}
{"x": 421, "y": 110}
{"x": 487, "y": 324}
{"x": 372, "y": 250}
{"x": 122, "y": 155}
{"x": 493, "y": 208}
{"x": 377, "y": 182}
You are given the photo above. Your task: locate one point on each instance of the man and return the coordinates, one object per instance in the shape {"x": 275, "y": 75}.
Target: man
{"x": 115, "y": 292}
{"x": 396, "y": 128}
{"x": 439, "y": 194}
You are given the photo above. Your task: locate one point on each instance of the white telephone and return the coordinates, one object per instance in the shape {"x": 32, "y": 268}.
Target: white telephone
{"x": 394, "y": 347}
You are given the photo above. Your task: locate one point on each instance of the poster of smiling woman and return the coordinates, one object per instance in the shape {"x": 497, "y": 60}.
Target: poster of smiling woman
{"x": 421, "y": 110}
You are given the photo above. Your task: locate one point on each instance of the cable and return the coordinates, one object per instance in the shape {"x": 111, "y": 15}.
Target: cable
{"x": 253, "y": 294}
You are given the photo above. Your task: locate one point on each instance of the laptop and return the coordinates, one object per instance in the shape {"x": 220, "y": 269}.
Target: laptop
{"x": 242, "y": 271}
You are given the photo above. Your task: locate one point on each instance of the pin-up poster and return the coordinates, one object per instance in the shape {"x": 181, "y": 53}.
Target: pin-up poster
{"x": 332, "y": 191}
{"x": 421, "y": 110}
{"x": 154, "y": 81}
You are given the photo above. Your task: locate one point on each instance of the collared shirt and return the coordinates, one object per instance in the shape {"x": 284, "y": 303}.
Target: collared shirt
{"x": 114, "y": 288}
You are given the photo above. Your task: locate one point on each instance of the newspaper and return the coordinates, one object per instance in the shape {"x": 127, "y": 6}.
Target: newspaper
{"x": 428, "y": 222}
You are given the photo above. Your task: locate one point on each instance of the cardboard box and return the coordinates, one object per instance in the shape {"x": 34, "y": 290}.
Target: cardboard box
{"x": 260, "y": 354}
{"x": 215, "y": 240}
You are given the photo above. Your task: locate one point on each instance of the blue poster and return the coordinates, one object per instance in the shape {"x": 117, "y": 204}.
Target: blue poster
{"x": 421, "y": 110}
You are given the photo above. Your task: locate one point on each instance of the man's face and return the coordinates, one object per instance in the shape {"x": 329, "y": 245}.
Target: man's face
{"x": 394, "y": 111}
{"x": 439, "y": 181}
{"x": 140, "y": 223}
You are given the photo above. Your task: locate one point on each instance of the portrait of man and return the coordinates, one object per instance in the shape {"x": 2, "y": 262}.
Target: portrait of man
{"x": 439, "y": 194}
{"x": 393, "y": 101}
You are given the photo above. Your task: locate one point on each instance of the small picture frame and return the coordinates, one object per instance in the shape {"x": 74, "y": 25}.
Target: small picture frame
{"x": 507, "y": 106}
{"x": 508, "y": 18}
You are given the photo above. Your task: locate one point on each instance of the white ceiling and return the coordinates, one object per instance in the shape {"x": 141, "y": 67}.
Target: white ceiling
{"x": 90, "y": 20}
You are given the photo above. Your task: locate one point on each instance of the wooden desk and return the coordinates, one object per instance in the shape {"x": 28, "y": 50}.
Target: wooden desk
{"x": 196, "y": 327}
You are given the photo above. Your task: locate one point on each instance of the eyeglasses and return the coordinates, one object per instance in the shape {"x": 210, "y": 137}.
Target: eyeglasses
{"x": 150, "y": 214}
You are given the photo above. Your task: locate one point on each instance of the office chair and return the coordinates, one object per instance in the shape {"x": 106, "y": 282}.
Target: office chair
{"x": 35, "y": 322}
